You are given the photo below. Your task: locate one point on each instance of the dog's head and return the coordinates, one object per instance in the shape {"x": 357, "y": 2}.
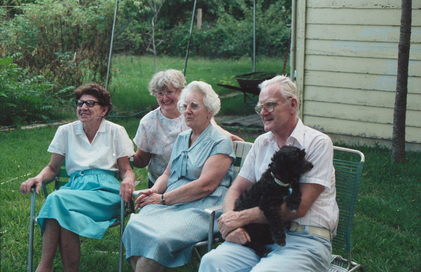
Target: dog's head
{"x": 288, "y": 164}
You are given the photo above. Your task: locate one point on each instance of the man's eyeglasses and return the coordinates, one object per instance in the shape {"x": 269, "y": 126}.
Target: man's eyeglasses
{"x": 165, "y": 93}
{"x": 267, "y": 106}
{"x": 193, "y": 105}
{"x": 89, "y": 103}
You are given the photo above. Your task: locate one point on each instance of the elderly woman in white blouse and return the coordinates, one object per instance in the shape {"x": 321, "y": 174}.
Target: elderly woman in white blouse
{"x": 93, "y": 150}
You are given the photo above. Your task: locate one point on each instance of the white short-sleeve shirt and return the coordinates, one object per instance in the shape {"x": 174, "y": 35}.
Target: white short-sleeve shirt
{"x": 156, "y": 135}
{"x": 319, "y": 151}
{"x": 110, "y": 143}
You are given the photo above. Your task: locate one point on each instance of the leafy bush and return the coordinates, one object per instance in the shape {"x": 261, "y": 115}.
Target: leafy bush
{"x": 231, "y": 36}
{"x": 24, "y": 98}
{"x": 66, "y": 41}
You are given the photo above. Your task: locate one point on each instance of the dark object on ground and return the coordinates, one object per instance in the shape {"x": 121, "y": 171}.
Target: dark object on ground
{"x": 250, "y": 82}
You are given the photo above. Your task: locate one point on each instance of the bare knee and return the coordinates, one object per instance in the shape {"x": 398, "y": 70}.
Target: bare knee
{"x": 133, "y": 261}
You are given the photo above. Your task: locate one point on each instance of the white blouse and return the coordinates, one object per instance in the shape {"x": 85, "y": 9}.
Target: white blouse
{"x": 156, "y": 135}
{"x": 110, "y": 143}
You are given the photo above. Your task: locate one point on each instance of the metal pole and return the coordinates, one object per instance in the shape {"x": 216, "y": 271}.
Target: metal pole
{"x": 189, "y": 40}
{"x": 254, "y": 37}
{"x": 293, "y": 51}
{"x": 110, "y": 54}
{"x": 31, "y": 230}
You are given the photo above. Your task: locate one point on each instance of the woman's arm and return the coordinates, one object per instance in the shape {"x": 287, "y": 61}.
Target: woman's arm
{"x": 128, "y": 178}
{"x": 229, "y": 134}
{"x": 213, "y": 171}
{"x": 47, "y": 173}
{"x": 153, "y": 195}
{"x": 141, "y": 158}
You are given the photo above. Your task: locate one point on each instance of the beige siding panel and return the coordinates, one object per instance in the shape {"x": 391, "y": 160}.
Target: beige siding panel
{"x": 359, "y": 33}
{"x": 362, "y": 114}
{"x": 370, "y": 98}
{"x": 359, "y": 65}
{"x": 301, "y": 45}
{"x": 359, "y": 49}
{"x": 382, "y": 17}
{"x": 368, "y": 4}
{"x": 355, "y": 128}
{"x": 359, "y": 81}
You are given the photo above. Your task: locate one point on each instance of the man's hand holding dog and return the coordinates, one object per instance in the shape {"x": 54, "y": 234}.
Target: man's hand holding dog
{"x": 229, "y": 221}
{"x": 238, "y": 236}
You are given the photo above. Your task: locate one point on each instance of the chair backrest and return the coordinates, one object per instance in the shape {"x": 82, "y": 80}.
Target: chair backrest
{"x": 348, "y": 165}
{"x": 240, "y": 149}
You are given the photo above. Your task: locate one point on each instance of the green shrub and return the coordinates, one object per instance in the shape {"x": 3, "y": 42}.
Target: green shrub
{"x": 66, "y": 41}
{"x": 24, "y": 98}
{"x": 231, "y": 35}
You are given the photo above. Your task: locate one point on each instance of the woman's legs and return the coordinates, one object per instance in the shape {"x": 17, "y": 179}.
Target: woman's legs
{"x": 50, "y": 240}
{"x": 53, "y": 236}
{"x": 142, "y": 264}
{"x": 69, "y": 250}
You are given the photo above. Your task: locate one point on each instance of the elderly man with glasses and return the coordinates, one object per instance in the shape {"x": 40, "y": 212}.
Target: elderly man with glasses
{"x": 308, "y": 240}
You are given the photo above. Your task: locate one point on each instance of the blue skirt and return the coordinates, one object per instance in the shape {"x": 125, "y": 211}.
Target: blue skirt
{"x": 87, "y": 205}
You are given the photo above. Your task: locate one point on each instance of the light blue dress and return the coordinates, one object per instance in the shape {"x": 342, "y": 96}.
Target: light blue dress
{"x": 89, "y": 203}
{"x": 167, "y": 233}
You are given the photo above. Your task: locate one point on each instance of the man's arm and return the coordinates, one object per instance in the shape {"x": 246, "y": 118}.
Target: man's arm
{"x": 231, "y": 222}
{"x": 309, "y": 193}
{"x": 230, "y": 219}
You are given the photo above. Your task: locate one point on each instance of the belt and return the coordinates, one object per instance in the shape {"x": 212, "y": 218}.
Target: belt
{"x": 316, "y": 231}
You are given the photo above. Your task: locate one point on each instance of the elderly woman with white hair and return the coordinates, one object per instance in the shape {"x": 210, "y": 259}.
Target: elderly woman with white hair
{"x": 172, "y": 217}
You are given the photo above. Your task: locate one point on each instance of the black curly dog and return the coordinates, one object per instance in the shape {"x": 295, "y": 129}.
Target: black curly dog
{"x": 279, "y": 183}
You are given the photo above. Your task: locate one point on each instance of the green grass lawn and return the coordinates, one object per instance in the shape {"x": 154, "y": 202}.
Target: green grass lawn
{"x": 387, "y": 231}
{"x": 131, "y": 75}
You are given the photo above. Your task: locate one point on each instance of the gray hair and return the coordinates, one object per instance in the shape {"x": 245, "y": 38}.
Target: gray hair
{"x": 286, "y": 86}
{"x": 167, "y": 78}
{"x": 210, "y": 99}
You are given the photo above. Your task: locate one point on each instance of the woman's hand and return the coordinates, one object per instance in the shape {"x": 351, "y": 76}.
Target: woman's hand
{"x": 148, "y": 197}
{"x": 234, "y": 137}
{"x": 25, "y": 187}
{"x": 238, "y": 236}
{"x": 126, "y": 189}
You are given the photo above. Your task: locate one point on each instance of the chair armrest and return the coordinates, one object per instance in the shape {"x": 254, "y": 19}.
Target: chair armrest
{"x": 212, "y": 211}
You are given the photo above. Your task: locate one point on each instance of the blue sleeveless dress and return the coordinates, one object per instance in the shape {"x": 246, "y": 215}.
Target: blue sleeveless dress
{"x": 167, "y": 233}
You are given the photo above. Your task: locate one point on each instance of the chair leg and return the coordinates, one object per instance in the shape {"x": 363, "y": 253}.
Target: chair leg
{"x": 120, "y": 254}
{"x": 31, "y": 231}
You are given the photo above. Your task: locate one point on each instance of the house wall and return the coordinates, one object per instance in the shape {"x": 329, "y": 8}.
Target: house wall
{"x": 346, "y": 61}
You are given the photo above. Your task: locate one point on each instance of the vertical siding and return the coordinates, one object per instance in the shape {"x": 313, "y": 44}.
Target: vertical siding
{"x": 346, "y": 58}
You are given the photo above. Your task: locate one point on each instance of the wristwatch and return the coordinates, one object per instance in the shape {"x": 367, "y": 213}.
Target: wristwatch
{"x": 162, "y": 200}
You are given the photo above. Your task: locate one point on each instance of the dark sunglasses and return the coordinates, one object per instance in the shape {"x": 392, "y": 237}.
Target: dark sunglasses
{"x": 89, "y": 103}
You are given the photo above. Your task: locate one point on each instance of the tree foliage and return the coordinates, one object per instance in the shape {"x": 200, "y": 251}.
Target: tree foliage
{"x": 65, "y": 41}
{"x": 24, "y": 97}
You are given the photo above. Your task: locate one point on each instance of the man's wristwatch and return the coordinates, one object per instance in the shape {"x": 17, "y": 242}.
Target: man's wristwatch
{"x": 162, "y": 200}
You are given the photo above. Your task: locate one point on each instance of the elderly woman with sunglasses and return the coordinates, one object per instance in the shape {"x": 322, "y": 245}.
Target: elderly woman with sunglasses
{"x": 159, "y": 128}
{"x": 93, "y": 150}
{"x": 172, "y": 216}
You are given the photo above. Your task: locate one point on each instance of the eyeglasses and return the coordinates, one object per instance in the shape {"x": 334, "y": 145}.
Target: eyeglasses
{"x": 193, "y": 105}
{"x": 268, "y": 106}
{"x": 89, "y": 103}
{"x": 165, "y": 93}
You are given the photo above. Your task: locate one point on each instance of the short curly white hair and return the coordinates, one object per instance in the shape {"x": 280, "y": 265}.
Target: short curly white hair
{"x": 162, "y": 80}
{"x": 210, "y": 99}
